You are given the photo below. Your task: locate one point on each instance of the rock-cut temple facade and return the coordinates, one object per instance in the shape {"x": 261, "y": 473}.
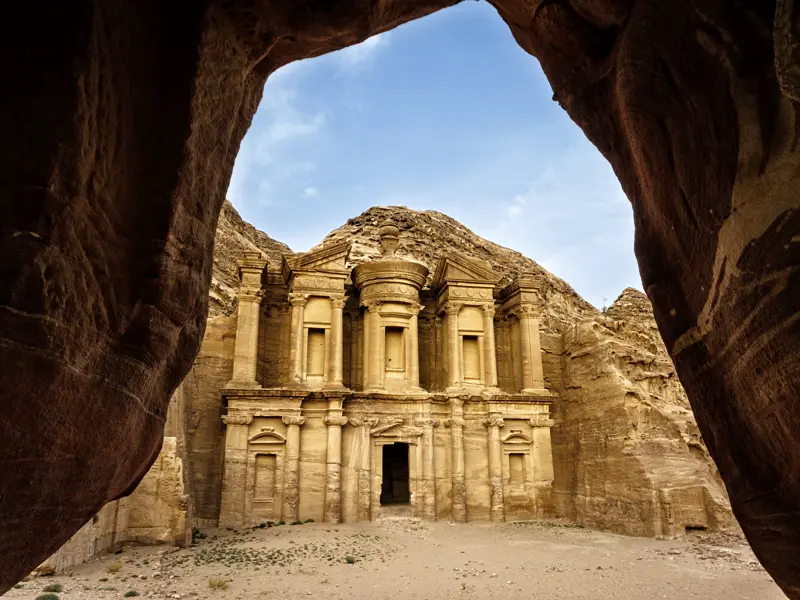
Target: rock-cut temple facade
{"x": 366, "y": 390}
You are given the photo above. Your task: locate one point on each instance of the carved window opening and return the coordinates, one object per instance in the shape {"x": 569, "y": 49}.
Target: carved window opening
{"x": 395, "y": 487}
{"x": 516, "y": 468}
{"x": 395, "y": 349}
{"x": 316, "y": 352}
{"x": 265, "y": 477}
{"x": 472, "y": 358}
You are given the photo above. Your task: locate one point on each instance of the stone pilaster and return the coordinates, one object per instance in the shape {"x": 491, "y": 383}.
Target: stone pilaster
{"x": 364, "y": 499}
{"x": 291, "y": 478}
{"x": 231, "y": 512}
{"x": 531, "y": 351}
{"x": 453, "y": 343}
{"x": 374, "y": 351}
{"x": 428, "y": 473}
{"x": 298, "y": 302}
{"x": 413, "y": 350}
{"x": 489, "y": 347}
{"x": 542, "y": 465}
{"x": 336, "y": 341}
{"x": 496, "y": 507}
{"x": 245, "y": 354}
{"x": 457, "y": 469}
{"x": 333, "y": 490}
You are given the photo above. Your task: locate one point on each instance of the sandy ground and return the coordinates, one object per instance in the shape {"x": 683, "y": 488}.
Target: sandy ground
{"x": 405, "y": 558}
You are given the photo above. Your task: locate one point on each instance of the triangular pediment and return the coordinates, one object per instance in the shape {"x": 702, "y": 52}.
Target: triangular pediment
{"x": 461, "y": 268}
{"x": 327, "y": 258}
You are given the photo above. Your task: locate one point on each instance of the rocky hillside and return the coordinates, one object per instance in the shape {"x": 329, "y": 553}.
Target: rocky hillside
{"x": 235, "y": 236}
{"x": 427, "y": 235}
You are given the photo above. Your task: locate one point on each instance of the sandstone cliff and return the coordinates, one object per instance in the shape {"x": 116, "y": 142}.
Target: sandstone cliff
{"x": 235, "y": 236}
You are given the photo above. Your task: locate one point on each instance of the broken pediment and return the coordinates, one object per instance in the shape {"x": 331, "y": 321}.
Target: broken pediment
{"x": 456, "y": 267}
{"x": 331, "y": 258}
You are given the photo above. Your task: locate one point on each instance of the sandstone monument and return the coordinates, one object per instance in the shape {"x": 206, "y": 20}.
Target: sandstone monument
{"x": 406, "y": 364}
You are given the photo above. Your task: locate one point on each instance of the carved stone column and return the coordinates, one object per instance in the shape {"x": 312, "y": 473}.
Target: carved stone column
{"x": 496, "y": 508}
{"x": 231, "y": 512}
{"x": 531, "y": 351}
{"x": 428, "y": 473}
{"x": 459, "y": 492}
{"x": 489, "y": 347}
{"x": 291, "y": 477}
{"x": 333, "y": 490}
{"x": 298, "y": 302}
{"x": 453, "y": 342}
{"x": 413, "y": 349}
{"x": 245, "y": 354}
{"x": 336, "y": 341}
{"x": 373, "y": 354}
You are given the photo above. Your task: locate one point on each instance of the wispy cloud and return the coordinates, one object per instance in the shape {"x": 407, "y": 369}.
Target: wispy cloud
{"x": 310, "y": 192}
{"x": 264, "y": 157}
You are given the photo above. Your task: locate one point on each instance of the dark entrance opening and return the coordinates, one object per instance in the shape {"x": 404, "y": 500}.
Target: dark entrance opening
{"x": 394, "y": 488}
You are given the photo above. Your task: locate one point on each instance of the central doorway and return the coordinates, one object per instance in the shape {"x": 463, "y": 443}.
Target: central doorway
{"x": 394, "y": 487}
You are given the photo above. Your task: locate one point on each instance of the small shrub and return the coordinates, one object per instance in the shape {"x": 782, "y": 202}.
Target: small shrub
{"x": 114, "y": 567}
{"x": 103, "y": 579}
{"x": 19, "y": 585}
{"x": 108, "y": 588}
{"x": 281, "y": 522}
{"x": 260, "y": 526}
{"x": 308, "y": 521}
{"x": 47, "y": 597}
{"x": 350, "y": 559}
{"x": 130, "y": 594}
{"x": 53, "y": 587}
{"x": 217, "y": 583}
{"x": 296, "y": 523}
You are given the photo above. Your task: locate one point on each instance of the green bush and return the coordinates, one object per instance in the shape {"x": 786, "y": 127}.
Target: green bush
{"x": 308, "y": 521}
{"x": 350, "y": 559}
{"x": 130, "y": 594}
{"x": 53, "y": 587}
{"x": 47, "y": 597}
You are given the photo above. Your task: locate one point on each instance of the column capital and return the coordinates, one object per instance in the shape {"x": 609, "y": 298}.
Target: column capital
{"x": 250, "y": 295}
{"x": 454, "y": 423}
{"x": 494, "y": 421}
{"x": 234, "y": 419}
{"x": 488, "y": 310}
{"x": 453, "y": 308}
{"x": 426, "y": 422}
{"x": 338, "y": 301}
{"x": 542, "y": 421}
{"x": 527, "y": 311}
{"x": 371, "y": 305}
{"x": 293, "y": 420}
{"x": 334, "y": 421}
{"x": 296, "y": 299}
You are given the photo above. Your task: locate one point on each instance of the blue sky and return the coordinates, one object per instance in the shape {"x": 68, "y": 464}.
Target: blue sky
{"x": 446, "y": 113}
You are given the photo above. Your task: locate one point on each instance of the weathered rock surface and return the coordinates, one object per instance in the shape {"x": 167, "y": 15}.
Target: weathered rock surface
{"x": 628, "y": 456}
{"x": 124, "y": 119}
{"x": 234, "y": 237}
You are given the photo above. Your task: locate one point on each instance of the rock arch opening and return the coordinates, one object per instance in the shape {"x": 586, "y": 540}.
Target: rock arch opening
{"x": 126, "y": 121}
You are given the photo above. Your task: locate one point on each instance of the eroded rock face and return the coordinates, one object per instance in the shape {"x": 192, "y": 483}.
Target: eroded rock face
{"x": 127, "y": 117}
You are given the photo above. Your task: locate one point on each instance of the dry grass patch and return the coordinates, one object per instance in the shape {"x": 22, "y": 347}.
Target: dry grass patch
{"x": 114, "y": 567}
{"x": 217, "y": 584}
